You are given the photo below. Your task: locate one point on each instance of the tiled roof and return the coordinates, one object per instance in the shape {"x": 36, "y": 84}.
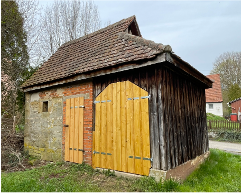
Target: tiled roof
{"x": 214, "y": 94}
{"x": 107, "y": 47}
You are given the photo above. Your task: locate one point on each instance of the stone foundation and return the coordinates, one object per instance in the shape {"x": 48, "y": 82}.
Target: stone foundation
{"x": 181, "y": 172}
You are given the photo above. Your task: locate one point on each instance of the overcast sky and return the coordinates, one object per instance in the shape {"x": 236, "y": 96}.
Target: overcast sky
{"x": 197, "y": 31}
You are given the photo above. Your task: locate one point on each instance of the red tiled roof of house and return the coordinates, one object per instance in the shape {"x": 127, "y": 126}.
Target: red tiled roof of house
{"x": 107, "y": 47}
{"x": 214, "y": 94}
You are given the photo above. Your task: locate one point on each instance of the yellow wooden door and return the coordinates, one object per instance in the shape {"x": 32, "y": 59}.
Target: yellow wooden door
{"x": 121, "y": 139}
{"x": 74, "y": 130}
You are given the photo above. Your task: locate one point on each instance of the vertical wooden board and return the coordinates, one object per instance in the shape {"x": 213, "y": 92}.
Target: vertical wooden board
{"x": 179, "y": 123}
{"x": 168, "y": 150}
{"x": 118, "y": 126}
{"x": 159, "y": 80}
{"x": 109, "y": 115}
{"x": 153, "y": 117}
{"x": 97, "y": 132}
{"x": 145, "y": 133}
{"x": 71, "y": 138}
{"x": 81, "y": 129}
{"x": 129, "y": 128}
{"x": 164, "y": 108}
{"x": 138, "y": 154}
{"x": 171, "y": 121}
{"x": 76, "y": 129}
{"x": 123, "y": 127}
{"x": 103, "y": 129}
{"x": 114, "y": 123}
{"x": 67, "y": 135}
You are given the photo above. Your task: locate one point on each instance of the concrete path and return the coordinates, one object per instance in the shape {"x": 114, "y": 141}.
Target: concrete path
{"x": 226, "y": 146}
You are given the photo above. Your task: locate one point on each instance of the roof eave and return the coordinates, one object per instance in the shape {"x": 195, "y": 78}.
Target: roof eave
{"x": 186, "y": 67}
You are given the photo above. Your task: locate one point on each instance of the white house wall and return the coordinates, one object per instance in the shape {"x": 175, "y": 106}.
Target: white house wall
{"x": 217, "y": 109}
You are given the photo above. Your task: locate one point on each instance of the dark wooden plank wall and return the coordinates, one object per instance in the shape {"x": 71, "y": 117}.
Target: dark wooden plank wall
{"x": 177, "y": 109}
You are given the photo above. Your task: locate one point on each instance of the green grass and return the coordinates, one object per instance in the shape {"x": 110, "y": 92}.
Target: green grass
{"x": 211, "y": 116}
{"x": 221, "y": 172}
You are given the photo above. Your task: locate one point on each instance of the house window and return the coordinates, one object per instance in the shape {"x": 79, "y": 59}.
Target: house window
{"x": 210, "y": 106}
{"x": 45, "y": 106}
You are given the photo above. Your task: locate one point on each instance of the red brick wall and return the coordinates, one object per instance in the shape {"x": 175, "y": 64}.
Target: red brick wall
{"x": 86, "y": 88}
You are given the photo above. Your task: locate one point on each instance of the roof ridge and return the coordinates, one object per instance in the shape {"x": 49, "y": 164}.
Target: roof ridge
{"x": 142, "y": 41}
{"x": 98, "y": 31}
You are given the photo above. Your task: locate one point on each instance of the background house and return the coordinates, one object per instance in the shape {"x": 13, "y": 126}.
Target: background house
{"x": 214, "y": 99}
{"x": 236, "y": 107}
{"x": 116, "y": 100}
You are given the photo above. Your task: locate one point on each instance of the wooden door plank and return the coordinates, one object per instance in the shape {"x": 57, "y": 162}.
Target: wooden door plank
{"x": 71, "y": 155}
{"x": 114, "y": 111}
{"x": 67, "y": 135}
{"x": 76, "y": 129}
{"x": 118, "y": 126}
{"x": 123, "y": 127}
{"x": 130, "y": 128}
{"x": 103, "y": 129}
{"x": 138, "y": 156}
{"x": 81, "y": 129}
{"x": 109, "y": 115}
{"x": 145, "y": 133}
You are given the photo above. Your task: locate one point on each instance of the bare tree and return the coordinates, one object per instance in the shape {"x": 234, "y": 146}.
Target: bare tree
{"x": 67, "y": 20}
{"x": 228, "y": 65}
{"x": 31, "y": 13}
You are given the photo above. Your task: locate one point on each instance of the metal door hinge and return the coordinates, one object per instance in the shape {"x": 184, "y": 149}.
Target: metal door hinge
{"x": 81, "y": 150}
{"x": 145, "y": 97}
{"x": 95, "y": 152}
{"x": 144, "y": 158}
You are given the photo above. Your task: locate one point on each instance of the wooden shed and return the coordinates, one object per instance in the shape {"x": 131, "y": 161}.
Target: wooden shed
{"x": 118, "y": 101}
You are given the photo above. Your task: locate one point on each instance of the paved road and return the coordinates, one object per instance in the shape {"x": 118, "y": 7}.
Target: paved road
{"x": 226, "y": 146}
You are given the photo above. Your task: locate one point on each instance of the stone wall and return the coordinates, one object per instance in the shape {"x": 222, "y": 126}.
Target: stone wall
{"x": 44, "y": 134}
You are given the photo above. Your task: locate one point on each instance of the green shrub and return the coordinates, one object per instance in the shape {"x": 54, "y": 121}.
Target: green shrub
{"x": 228, "y": 136}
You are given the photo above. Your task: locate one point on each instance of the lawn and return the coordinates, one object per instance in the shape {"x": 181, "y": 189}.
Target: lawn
{"x": 221, "y": 172}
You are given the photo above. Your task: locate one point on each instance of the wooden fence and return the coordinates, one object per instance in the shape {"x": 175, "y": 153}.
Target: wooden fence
{"x": 224, "y": 125}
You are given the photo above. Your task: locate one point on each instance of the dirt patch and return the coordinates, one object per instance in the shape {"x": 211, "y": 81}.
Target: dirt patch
{"x": 108, "y": 184}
